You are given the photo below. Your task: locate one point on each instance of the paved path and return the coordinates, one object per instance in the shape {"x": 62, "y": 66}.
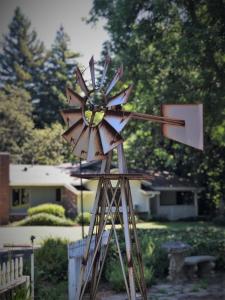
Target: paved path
{"x": 21, "y": 235}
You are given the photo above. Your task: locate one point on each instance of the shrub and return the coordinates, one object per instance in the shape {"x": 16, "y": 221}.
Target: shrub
{"x": 219, "y": 220}
{"x": 204, "y": 241}
{"x": 52, "y": 209}
{"x": 45, "y": 220}
{"x": 51, "y": 270}
{"x": 86, "y": 218}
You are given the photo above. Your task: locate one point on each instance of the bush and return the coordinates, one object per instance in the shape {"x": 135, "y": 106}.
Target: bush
{"x": 45, "y": 220}
{"x": 51, "y": 265}
{"x": 52, "y": 209}
{"x": 219, "y": 220}
{"x": 204, "y": 241}
{"x": 86, "y": 218}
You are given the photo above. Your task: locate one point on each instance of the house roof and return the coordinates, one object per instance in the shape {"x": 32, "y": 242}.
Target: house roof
{"x": 160, "y": 180}
{"x": 38, "y": 175}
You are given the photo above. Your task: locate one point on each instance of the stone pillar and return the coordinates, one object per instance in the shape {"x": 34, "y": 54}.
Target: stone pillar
{"x": 4, "y": 188}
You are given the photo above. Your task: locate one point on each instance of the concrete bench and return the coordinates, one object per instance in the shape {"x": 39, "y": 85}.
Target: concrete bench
{"x": 202, "y": 265}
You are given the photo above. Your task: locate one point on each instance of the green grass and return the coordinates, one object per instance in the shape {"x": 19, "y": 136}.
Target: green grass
{"x": 174, "y": 225}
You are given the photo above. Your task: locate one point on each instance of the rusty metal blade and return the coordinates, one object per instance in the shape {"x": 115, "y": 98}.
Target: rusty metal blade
{"x": 74, "y": 99}
{"x": 71, "y": 116}
{"x": 95, "y": 151}
{"x": 72, "y": 134}
{"x": 116, "y": 77}
{"x": 106, "y": 65}
{"x": 120, "y": 98}
{"x": 81, "y": 148}
{"x": 109, "y": 137}
{"x": 92, "y": 71}
{"x": 117, "y": 119}
{"x": 192, "y": 133}
{"x": 81, "y": 82}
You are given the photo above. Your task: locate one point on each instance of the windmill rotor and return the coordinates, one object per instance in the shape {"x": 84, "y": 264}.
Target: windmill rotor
{"x": 96, "y": 120}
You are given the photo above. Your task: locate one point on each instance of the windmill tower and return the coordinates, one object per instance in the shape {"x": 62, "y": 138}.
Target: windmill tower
{"x": 95, "y": 122}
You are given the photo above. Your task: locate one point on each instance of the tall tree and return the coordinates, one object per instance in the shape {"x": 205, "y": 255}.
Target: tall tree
{"x": 59, "y": 72}
{"x": 22, "y": 56}
{"x": 15, "y": 121}
{"x": 174, "y": 51}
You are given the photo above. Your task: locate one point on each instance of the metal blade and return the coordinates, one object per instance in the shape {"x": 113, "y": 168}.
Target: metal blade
{"x": 74, "y": 99}
{"x": 109, "y": 137}
{"x": 106, "y": 65}
{"x": 117, "y": 119}
{"x": 72, "y": 134}
{"x": 81, "y": 82}
{"x": 95, "y": 151}
{"x": 117, "y": 76}
{"x": 81, "y": 147}
{"x": 120, "y": 98}
{"x": 192, "y": 133}
{"x": 92, "y": 71}
{"x": 71, "y": 116}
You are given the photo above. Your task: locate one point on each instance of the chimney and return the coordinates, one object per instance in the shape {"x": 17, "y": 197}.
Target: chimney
{"x": 4, "y": 188}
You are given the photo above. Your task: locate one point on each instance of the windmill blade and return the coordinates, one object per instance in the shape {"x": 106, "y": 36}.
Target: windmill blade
{"x": 71, "y": 116}
{"x": 72, "y": 134}
{"x": 81, "y": 82}
{"x": 74, "y": 99}
{"x": 95, "y": 151}
{"x": 109, "y": 137}
{"x": 92, "y": 71}
{"x": 120, "y": 98}
{"x": 117, "y": 119}
{"x": 81, "y": 147}
{"x": 192, "y": 133}
{"x": 117, "y": 76}
{"x": 106, "y": 65}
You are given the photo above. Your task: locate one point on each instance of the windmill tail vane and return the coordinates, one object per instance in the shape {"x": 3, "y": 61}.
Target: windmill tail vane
{"x": 95, "y": 122}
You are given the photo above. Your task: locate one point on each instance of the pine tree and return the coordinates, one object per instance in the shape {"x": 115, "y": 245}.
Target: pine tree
{"x": 22, "y": 56}
{"x": 59, "y": 72}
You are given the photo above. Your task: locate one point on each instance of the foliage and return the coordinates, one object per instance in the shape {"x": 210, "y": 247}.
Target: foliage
{"x": 15, "y": 121}
{"x": 59, "y": 73}
{"x": 47, "y": 146}
{"x": 219, "y": 220}
{"x": 173, "y": 52}
{"x": 85, "y": 218}
{"x": 204, "y": 241}
{"x": 21, "y": 293}
{"x": 51, "y": 270}
{"x": 44, "y": 219}
{"x": 23, "y": 55}
{"x": 49, "y": 208}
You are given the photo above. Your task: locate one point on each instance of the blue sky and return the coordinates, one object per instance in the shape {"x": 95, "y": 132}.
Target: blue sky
{"x": 46, "y": 17}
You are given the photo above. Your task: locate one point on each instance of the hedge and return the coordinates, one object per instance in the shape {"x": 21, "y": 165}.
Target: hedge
{"x": 49, "y": 208}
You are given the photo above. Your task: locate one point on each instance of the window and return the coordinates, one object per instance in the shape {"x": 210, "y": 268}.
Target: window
{"x": 185, "y": 198}
{"x": 20, "y": 197}
{"x": 58, "y": 195}
{"x": 176, "y": 198}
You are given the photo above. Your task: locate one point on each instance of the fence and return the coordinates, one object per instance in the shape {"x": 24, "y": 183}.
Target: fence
{"x": 75, "y": 255}
{"x": 11, "y": 272}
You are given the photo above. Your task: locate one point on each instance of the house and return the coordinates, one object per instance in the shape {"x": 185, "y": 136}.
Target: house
{"x": 166, "y": 196}
{"x": 24, "y": 186}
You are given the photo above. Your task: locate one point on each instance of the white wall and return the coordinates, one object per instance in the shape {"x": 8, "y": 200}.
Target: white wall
{"x": 174, "y": 212}
{"x": 140, "y": 199}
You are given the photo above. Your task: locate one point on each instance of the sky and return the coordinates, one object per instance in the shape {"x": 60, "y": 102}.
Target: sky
{"x": 47, "y": 16}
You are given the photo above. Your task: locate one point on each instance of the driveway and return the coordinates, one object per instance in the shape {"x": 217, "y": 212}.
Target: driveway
{"x": 21, "y": 235}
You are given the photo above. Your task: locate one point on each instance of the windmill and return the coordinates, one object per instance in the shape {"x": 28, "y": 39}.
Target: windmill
{"x": 95, "y": 122}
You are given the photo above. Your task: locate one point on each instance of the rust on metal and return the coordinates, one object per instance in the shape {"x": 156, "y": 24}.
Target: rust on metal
{"x": 95, "y": 140}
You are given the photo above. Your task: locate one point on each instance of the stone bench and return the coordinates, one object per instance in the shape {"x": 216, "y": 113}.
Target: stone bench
{"x": 202, "y": 265}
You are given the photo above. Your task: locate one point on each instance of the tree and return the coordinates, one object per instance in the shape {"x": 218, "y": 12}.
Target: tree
{"x": 174, "y": 51}
{"x": 15, "y": 121}
{"x": 46, "y": 146}
{"x": 22, "y": 56}
{"x": 59, "y": 72}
